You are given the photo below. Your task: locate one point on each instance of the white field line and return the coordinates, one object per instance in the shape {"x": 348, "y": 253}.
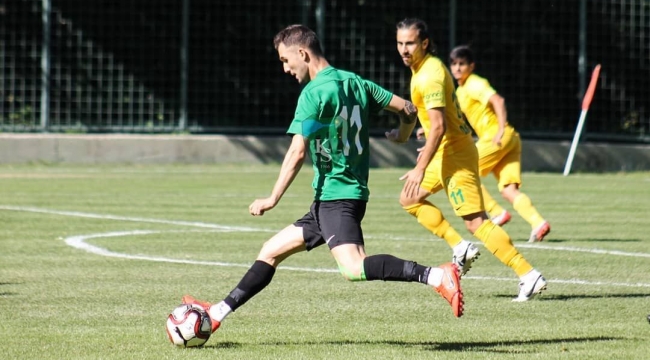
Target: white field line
{"x": 529, "y": 246}
{"x": 251, "y": 229}
{"x": 79, "y": 242}
{"x": 133, "y": 219}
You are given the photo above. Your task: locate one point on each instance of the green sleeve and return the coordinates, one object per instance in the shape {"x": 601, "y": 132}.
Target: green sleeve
{"x": 306, "y": 118}
{"x": 380, "y": 97}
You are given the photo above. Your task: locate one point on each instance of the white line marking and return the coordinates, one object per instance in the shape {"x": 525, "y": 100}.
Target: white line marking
{"x": 251, "y": 229}
{"x": 134, "y": 219}
{"x": 525, "y": 246}
{"x": 561, "y": 281}
{"x": 79, "y": 242}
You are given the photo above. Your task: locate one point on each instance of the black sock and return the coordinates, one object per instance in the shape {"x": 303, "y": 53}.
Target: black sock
{"x": 255, "y": 280}
{"x": 390, "y": 268}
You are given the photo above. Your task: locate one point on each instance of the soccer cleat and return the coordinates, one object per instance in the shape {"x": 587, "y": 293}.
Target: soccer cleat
{"x": 502, "y": 218}
{"x": 540, "y": 232}
{"x": 528, "y": 289}
{"x": 450, "y": 288}
{"x": 465, "y": 257}
{"x": 187, "y": 299}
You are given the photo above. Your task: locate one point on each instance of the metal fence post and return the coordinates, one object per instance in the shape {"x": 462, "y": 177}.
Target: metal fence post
{"x": 182, "y": 121}
{"x": 45, "y": 66}
{"x": 582, "y": 49}
{"x": 453, "y": 6}
{"x": 320, "y": 22}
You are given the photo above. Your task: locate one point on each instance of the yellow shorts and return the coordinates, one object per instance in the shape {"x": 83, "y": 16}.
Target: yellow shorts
{"x": 457, "y": 173}
{"x": 504, "y": 162}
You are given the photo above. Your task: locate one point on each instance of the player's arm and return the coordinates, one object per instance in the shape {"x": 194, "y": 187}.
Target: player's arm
{"x": 434, "y": 138}
{"x": 407, "y": 113}
{"x": 498, "y": 103}
{"x": 413, "y": 178}
{"x": 291, "y": 165}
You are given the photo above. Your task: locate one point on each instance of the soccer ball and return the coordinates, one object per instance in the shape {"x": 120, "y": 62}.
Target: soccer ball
{"x": 189, "y": 325}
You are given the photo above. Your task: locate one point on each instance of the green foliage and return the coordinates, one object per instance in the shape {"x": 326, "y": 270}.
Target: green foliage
{"x": 61, "y": 302}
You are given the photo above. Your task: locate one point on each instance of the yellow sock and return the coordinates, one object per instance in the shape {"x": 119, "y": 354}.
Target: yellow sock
{"x": 524, "y": 206}
{"x": 432, "y": 219}
{"x": 498, "y": 242}
{"x": 491, "y": 206}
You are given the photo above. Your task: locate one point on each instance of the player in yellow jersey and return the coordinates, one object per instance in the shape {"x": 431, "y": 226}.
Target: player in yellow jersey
{"x": 449, "y": 161}
{"x": 499, "y": 145}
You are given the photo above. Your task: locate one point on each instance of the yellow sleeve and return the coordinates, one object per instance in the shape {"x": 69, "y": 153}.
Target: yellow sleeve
{"x": 479, "y": 89}
{"x": 432, "y": 89}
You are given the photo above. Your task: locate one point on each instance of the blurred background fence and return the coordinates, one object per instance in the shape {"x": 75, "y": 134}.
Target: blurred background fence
{"x": 207, "y": 66}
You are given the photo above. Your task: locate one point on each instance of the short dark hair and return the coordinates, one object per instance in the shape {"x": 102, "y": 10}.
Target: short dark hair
{"x": 298, "y": 34}
{"x": 462, "y": 52}
{"x": 422, "y": 28}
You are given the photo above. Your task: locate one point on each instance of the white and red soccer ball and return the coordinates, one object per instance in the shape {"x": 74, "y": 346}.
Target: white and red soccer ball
{"x": 189, "y": 325}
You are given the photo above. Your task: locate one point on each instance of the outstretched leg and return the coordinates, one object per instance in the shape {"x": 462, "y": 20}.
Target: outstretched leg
{"x": 356, "y": 266}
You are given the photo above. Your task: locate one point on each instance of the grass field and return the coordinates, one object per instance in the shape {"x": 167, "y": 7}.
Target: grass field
{"x": 94, "y": 257}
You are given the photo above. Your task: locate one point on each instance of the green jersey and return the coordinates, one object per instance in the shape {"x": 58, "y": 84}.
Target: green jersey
{"x": 334, "y": 112}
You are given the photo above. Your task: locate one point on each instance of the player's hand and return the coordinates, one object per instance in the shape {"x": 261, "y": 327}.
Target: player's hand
{"x": 413, "y": 180}
{"x": 259, "y": 206}
{"x": 419, "y": 134}
{"x": 496, "y": 140}
{"x": 394, "y": 136}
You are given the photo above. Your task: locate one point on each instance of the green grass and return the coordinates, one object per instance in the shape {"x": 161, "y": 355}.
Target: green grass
{"x": 61, "y": 302}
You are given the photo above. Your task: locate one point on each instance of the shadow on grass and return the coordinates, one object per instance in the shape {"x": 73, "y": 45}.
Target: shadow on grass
{"x": 563, "y": 297}
{"x": 496, "y": 346}
{"x": 7, "y": 293}
{"x": 555, "y": 240}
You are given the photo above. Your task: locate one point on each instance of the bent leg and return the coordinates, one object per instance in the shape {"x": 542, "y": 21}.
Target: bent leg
{"x": 427, "y": 214}
{"x": 285, "y": 243}
{"x": 498, "y": 242}
{"x": 523, "y": 205}
{"x": 355, "y": 265}
{"x": 491, "y": 206}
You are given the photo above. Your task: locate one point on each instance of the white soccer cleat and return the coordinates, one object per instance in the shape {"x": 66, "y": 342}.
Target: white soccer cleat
{"x": 502, "y": 218}
{"x": 540, "y": 232}
{"x": 529, "y": 288}
{"x": 464, "y": 255}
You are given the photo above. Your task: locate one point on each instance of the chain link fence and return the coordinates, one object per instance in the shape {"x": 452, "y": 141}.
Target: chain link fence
{"x": 209, "y": 66}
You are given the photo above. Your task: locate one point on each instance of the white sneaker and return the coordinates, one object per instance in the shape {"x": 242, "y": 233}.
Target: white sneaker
{"x": 540, "y": 232}
{"x": 502, "y": 218}
{"x": 530, "y": 287}
{"x": 464, "y": 255}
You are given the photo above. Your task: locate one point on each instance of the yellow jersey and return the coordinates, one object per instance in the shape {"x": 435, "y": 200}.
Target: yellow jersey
{"x": 474, "y": 98}
{"x": 433, "y": 87}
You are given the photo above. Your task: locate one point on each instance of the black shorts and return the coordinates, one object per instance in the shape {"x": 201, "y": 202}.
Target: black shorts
{"x": 333, "y": 223}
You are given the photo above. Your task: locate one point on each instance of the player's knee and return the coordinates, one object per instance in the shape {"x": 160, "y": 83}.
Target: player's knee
{"x": 354, "y": 273}
{"x": 406, "y": 201}
{"x": 411, "y": 207}
{"x": 510, "y": 192}
{"x": 269, "y": 255}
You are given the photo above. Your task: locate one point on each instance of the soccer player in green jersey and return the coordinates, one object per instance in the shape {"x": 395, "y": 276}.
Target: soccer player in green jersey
{"x": 331, "y": 126}
{"x": 449, "y": 162}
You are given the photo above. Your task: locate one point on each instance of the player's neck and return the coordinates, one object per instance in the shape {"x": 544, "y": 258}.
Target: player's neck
{"x": 317, "y": 65}
{"x": 415, "y": 66}
{"x": 462, "y": 81}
